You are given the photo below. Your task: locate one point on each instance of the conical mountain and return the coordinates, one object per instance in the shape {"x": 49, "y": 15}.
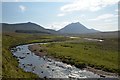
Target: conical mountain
{"x": 76, "y": 28}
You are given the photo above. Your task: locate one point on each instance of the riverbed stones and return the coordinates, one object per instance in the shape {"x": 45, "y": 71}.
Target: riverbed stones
{"x": 48, "y": 66}
{"x": 21, "y": 57}
{"x": 39, "y": 65}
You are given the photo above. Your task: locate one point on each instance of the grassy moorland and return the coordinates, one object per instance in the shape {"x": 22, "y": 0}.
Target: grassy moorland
{"x": 10, "y": 67}
{"x": 99, "y": 55}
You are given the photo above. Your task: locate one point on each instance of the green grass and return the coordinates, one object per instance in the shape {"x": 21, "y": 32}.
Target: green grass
{"x": 100, "y": 55}
{"x": 10, "y": 67}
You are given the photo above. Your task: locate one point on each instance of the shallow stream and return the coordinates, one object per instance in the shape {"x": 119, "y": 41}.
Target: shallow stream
{"x": 46, "y": 67}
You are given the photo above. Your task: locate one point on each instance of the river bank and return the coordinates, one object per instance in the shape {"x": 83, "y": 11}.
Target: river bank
{"x": 46, "y": 67}
{"x": 10, "y": 64}
{"x": 42, "y": 51}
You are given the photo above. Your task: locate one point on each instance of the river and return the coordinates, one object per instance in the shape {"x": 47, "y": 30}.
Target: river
{"x": 45, "y": 67}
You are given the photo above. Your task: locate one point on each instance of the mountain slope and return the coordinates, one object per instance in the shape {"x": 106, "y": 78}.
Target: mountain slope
{"x": 25, "y": 28}
{"x": 76, "y": 28}
{"x": 108, "y": 34}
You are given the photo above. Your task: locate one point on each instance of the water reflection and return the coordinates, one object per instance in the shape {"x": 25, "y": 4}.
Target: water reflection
{"x": 46, "y": 67}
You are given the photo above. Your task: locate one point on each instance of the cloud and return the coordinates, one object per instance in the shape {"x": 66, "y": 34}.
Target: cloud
{"x": 108, "y": 20}
{"x": 116, "y": 10}
{"x": 104, "y": 16}
{"x": 61, "y": 14}
{"x": 91, "y": 5}
{"x": 82, "y": 15}
{"x": 57, "y": 25}
{"x": 108, "y": 26}
{"x": 22, "y": 8}
{"x": 17, "y": 0}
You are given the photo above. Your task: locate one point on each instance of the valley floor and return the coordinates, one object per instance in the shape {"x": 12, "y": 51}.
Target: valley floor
{"x": 93, "y": 56}
{"x": 77, "y": 51}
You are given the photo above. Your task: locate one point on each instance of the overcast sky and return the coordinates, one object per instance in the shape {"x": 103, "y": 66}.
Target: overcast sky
{"x": 97, "y": 14}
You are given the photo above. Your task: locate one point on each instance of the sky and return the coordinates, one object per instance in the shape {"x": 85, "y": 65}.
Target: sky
{"x": 94, "y": 14}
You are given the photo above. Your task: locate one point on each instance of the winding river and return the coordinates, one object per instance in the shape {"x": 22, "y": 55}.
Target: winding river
{"x": 46, "y": 67}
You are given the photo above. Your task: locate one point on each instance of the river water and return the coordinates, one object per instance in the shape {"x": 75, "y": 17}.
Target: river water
{"x": 46, "y": 67}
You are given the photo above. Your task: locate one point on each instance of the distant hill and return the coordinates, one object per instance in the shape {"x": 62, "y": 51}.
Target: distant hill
{"x": 109, "y": 34}
{"x": 76, "y": 28}
{"x": 26, "y": 28}
{"x": 73, "y": 28}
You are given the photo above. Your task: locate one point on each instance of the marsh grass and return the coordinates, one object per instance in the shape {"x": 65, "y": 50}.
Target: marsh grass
{"x": 99, "y": 55}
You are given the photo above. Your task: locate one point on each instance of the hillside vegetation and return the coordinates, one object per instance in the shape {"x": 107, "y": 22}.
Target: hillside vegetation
{"x": 10, "y": 67}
